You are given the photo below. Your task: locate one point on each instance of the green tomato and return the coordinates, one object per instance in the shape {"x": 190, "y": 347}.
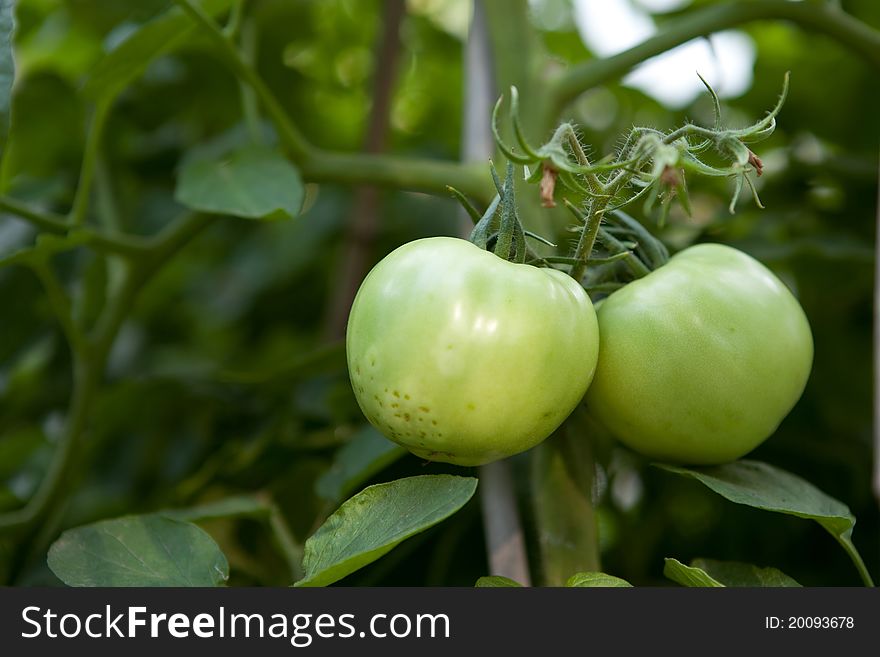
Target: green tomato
{"x": 463, "y": 357}
{"x": 701, "y": 359}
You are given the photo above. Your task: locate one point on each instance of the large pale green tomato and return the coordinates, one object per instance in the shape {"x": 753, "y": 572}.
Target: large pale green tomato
{"x": 463, "y": 357}
{"x": 701, "y": 359}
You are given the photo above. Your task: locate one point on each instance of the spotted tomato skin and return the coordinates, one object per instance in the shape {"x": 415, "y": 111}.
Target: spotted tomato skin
{"x": 463, "y": 357}
{"x": 701, "y": 359}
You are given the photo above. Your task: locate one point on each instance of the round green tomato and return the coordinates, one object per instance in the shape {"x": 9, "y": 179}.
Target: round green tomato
{"x": 701, "y": 359}
{"x": 463, "y": 357}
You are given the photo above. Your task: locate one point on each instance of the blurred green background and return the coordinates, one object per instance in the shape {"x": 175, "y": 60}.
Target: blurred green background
{"x": 223, "y": 380}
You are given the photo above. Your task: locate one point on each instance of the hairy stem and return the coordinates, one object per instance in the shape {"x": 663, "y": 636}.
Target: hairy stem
{"x": 574, "y": 143}
{"x": 587, "y": 240}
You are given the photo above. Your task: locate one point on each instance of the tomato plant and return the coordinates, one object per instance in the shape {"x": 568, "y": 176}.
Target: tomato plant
{"x": 701, "y": 359}
{"x": 192, "y": 192}
{"x": 464, "y": 357}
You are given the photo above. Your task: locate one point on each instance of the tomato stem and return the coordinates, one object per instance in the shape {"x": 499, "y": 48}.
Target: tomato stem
{"x": 592, "y": 218}
{"x": 508, "y": 217}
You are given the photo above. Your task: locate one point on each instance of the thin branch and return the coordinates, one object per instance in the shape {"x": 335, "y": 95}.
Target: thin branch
{"x": 234, "y": 22}
{"x": 52, "y": 485}
{"x": 61, "y": 306}
{"x": 859, "y": 563}
{"x": 88, "y": 367}
{"x": 127, "y": 245}
{"x": 107, "y": 206}
{"x": 296, "y": 142}
{"x": 88, "y": 370}
{"x": 400, "y": 172}
{"x": 816, "y": 16}
{"x": 124, "y": 245}
{"x": 286, "y": 542}
{"x": 174, "y": 237}
{"x": 249, "y": 104}
{"x": 48, "y": 221}
{"x": 90, "y": 157}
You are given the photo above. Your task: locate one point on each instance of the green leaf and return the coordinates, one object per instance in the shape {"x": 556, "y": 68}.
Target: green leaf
{"x": 596, "y": 579}
{"x": 376, "y": 520}
{"x": 145, "y": 550}
{"x": 253, "y": 182}
{"x": 496, "y": 582}
{"x": 734, "y": 573}
{"x": 688, "y": 575}
{"x": 7, "y": 68}
{"x": 155, "y": 38}
{"x": 763, "y": 486}
{"x": 366, "y": 454}
{"x": 229, "y": 507}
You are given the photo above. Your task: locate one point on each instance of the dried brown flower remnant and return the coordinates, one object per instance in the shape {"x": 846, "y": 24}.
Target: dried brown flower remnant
{"x": 548, "y": 185}
{"x": 669, "y": 176}
{"x": 756, "y": 162}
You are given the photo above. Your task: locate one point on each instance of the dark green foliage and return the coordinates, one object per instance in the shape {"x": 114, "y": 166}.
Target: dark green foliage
{"x": 222, "y": 387}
